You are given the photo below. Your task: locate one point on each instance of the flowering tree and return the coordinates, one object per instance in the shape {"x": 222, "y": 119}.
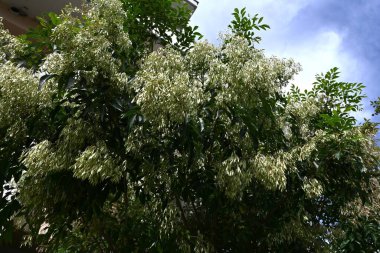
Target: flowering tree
{"x": 200, "y": 151}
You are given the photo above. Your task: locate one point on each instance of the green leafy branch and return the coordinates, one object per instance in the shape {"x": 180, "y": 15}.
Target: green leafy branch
{"x": 243, "y": 25}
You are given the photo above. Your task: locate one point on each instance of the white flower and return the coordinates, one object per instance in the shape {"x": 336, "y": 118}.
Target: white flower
{"x": 312, "y": 187}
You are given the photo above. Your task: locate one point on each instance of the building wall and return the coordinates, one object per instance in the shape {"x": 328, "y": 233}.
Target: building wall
{"x": 19, "y": 15}
{"x": 15, "y": 22}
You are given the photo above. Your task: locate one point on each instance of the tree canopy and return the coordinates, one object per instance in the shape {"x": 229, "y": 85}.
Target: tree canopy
{"x": 109, "y": 147}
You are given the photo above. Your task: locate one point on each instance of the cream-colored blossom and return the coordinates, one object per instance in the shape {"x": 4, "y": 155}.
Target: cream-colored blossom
{"x": 233, "y": 176}
{"x": 97, "y": 164}
{"x": 42, "y": 159}
{"x": 249, "y": 76}
{"x": 87, "y": 46}
{"x": 312, "y": 187}
{"x": 19, "y": 95}
{"x": 10, "y": 46}
{"x": 170, "y": 87}
{"x": 20, "y": 99}
{"x": 164, "y": 90}
{"x": 271, "y": 170}
{"x": 303, "y": 109}
{"x": 200, "y": 58}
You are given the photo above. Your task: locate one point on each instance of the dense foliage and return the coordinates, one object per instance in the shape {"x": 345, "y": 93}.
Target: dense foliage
{"x": 200, "y": 150}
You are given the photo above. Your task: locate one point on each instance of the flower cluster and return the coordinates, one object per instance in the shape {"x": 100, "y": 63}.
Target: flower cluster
{"x": 249, "y": 76}
{"x": 97, "y": 164}
{"x": 164, "y": 90}
{"x": 20, "y": 99}
{"x": 271, "y": 170}
{"x": 233, "y": 176}
{"x": 312, "y": 188}
{"x": 87, "y": 46}
{"x": 10, "y": 46}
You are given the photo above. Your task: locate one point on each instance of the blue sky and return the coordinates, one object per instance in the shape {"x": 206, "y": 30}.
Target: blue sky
{"x": 319, "y": 34}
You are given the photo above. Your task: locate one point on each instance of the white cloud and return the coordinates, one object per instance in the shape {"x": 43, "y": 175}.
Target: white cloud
{"x": 318, "y": 54}
{"x": 278, "y": 12}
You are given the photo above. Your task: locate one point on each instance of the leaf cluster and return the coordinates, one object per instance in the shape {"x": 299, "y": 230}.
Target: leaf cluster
{"x": 245, "y": 26}
{"x": 338, "y": 100}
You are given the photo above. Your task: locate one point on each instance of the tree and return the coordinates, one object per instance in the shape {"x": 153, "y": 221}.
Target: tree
{"x": 200, "y": 150}
{"x": 20, "y": 129}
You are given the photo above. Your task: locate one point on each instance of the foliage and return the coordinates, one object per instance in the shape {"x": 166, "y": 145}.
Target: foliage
{"x": 22, "y": 114}
{"x": 243, "y": 25}
{"x": 362, "y": 228}
{"x": 26, "y": 118}
{"x": 198, "y": 151}
{"x": 338, "y": 100}
{"x": 148, "y": 23}
{"x": 165, "y": 21}
{"x": 376, "y": 105}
